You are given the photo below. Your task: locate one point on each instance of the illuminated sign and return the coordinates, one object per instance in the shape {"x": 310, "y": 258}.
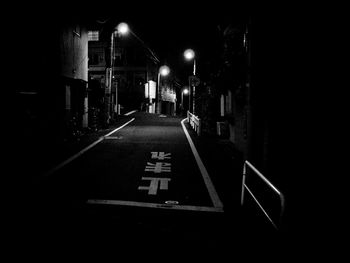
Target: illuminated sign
{"x": 150, "y": 87}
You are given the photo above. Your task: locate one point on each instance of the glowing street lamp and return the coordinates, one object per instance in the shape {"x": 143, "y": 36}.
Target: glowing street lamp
{"x": 163, "y": 71}
{"x": 190, "y": 55}
{"x": 184, "y": 91}
{"x": 120, "y": 29}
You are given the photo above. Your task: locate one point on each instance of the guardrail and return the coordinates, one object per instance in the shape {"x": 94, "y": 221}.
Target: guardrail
{"x": 244, "y": 186}
{"x": 195, "y": 122}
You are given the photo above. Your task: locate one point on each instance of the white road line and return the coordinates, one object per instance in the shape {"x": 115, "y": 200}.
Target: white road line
{"x": 75, "y": 156}
{"x": 117, "y": 129}
{"x": 113, "y": 137}
{"x": 210, "y": 187}
{"x": 155, "y": 205}
{"x": 129, "y": 113}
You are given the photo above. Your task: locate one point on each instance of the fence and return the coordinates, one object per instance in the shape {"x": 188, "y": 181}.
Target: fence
{"x": 195, "y": 122}
{"x": 244, "y": 186}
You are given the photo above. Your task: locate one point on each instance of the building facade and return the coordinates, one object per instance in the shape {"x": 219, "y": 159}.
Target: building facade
{"x": 54, "y": 90}
{"x": 119, "y": 68}
{"x": 74, "y": 74}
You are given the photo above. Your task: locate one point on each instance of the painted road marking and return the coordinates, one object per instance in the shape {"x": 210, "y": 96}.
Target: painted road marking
{"x": 210, "y": 187}
{"x": 160, "y": 155}
{"x": 121, "y": 127}
{"x": 158, "y": 167}
{"x": 154, "y": 183}
{"x": 113, "y": 137}
{"x": 153, "y": 187}
{"x": 129, "y": 113}
{"x": 75, "y": 156}
{"x": 155, "y": 205}
{"x": 171, "y": 202}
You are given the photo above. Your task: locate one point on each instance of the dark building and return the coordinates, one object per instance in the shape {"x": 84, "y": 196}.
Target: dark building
{"x": 133, "y": 65}
{"x": 54, "y": 90}
{"x": 242, "y": 99}
{"x": 223, "y": 97}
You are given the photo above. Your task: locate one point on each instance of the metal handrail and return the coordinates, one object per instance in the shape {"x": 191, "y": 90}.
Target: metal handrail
{"x": 244, "y": 186}
{"x": 195, "y": 122}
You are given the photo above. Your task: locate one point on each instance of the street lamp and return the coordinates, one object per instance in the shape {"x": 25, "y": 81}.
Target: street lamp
{"x": 163, "y": 71}
{"x": 190, "y": 55}
{"x": 184, "y": 91}
{"x": 120, "y": 29}
{"x": 123, "y": 29}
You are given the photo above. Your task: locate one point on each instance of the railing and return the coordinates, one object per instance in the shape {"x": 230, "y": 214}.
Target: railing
{"x": 244, "y": 186}
{"x": 195, "y": 122}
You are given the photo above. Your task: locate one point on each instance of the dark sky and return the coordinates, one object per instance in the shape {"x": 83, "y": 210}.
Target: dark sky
{"x": 173, "y": 27}
{"x": 168, "y": 28}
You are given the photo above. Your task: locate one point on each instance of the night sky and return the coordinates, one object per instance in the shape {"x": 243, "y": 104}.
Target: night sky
{"x": 168, "y": 28}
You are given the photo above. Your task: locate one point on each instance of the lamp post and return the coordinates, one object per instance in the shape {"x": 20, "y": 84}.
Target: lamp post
{"x": 190, "y": 55}
{"x": 123, "y": 29}
{"x": 184, "y": 91}
{"x": 163, "y": 71}
{"x": 120, "y": 29}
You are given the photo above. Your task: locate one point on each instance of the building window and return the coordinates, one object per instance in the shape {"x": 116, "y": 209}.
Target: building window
{"x": 93, "y": 36}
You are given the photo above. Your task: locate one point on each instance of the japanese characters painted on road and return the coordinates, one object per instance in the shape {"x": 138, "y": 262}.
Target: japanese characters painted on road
{"x": 154, "y": 182}
{"x": 157, "y": 168}
{"x": 160, "y": 155}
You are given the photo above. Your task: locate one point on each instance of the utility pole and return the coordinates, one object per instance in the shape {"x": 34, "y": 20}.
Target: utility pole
{"x": 194, "y": 87}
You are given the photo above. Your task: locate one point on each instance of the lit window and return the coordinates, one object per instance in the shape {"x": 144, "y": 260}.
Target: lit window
{"x": 93, "y": 36}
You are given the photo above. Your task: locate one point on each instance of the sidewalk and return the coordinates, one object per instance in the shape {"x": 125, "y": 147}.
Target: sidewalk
{"x": 224, "y": 165}
{"x": 244, "y": 224}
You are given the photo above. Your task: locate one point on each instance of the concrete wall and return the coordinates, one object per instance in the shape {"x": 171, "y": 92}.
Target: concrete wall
{"x": 73, "y": 59}
{"x": 74, "y": 52}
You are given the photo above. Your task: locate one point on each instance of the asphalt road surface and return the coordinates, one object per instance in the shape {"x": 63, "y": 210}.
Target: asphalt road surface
{"x": 141, "y": 191}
